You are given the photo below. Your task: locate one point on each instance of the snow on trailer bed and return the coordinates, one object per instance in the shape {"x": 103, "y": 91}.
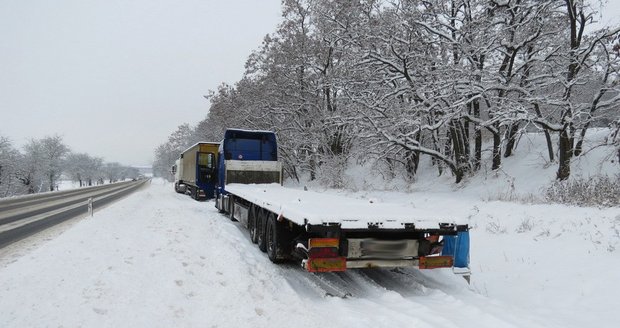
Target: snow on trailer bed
{"x": 301, "y": 207}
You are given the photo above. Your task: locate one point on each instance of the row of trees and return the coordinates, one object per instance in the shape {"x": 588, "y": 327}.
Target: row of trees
{"x": 390, "y": 81}
{"x": 40, "y": 166}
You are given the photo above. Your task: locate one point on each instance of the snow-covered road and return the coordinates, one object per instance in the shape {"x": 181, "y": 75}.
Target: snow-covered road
{"x": 160, "y": 259}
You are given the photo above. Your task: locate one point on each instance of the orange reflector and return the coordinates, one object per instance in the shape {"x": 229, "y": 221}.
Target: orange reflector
{"x": 323, "y": 242}
{"x": 326, "y": 264}
{"x": 433, "y": 262}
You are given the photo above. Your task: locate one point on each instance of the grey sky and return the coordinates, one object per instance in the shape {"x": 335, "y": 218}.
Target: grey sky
{"x": 116, "y": 77}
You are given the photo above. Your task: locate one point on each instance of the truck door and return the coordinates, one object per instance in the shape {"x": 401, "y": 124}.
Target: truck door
{"x": 206, "y": 168}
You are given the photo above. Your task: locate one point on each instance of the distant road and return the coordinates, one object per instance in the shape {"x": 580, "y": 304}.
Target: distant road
{"x": 23, "y": 216}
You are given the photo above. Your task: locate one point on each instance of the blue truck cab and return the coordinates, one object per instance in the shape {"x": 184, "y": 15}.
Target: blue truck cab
{"x": 246, "y": 157}
{"x": 195, "y": 171}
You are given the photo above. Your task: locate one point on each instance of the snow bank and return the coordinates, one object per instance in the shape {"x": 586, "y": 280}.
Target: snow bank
{"x": 161, "y": 259}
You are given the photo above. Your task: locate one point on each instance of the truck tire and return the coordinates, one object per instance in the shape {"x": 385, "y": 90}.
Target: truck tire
{"x": 252, "y": 226}
{"x": 273, "y": 240}
{"x": 260, "y": 226}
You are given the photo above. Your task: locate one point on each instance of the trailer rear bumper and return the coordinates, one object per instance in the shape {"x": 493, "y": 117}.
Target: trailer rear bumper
{"x": 422, "y": 263}
{"x": 330, "y": 254}
{"x": 335, "y": 264}
{"x": 360, "y": 264}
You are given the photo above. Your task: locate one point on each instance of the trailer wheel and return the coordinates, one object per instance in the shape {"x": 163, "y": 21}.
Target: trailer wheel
{"x": 260, "y": 227}
{"x": 273, "y": 241}
{"x": 252, "y": 225}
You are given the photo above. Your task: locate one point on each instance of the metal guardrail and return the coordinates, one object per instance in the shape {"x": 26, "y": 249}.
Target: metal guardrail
{"x": 23, "y": 216}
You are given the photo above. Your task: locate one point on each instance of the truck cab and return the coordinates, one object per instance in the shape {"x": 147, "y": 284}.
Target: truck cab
{"x": 246, "y": 157}
{"x": 196, "y": 170}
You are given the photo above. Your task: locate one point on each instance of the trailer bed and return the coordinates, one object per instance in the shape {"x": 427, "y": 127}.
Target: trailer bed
{"x": 308, "y": 207}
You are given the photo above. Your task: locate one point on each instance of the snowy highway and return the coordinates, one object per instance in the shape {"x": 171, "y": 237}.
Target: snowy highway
{"x": 23, "y": 216}
{"x": 161, "y": 259}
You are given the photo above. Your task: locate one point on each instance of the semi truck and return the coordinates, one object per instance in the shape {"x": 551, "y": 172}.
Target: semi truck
{"x": 195, "y": 171}
{"x": 326, "y": 232}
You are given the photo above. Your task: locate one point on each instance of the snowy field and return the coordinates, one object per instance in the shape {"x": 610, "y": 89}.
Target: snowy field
{"x": 161, "y": 259}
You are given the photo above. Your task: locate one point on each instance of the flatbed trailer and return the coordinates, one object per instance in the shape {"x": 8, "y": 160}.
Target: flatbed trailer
{"x": 329, "y": 232}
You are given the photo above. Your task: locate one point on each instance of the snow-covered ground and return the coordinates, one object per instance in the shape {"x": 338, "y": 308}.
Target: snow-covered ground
{"x": 161, "y": 259}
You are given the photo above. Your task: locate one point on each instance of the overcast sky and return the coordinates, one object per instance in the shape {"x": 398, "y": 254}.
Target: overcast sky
{"x": 115, "y": 77}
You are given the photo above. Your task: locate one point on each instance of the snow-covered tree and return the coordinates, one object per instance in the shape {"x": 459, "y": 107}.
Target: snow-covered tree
{"x": 9, "y": 161}
{"x": 31, "y": 173}
{"x": 83, "y": 168}
{"x": 392, "y": 81}
{"x": 112, "y": 171}
{"x": 53, "y": 152}
{"x": 167, "y": 153}
{"x": 76, "y": 167}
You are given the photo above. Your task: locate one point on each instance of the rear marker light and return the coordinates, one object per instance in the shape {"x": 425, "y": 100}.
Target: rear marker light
{"x": 434, "y": 262}
{"x": 323, "y": 242}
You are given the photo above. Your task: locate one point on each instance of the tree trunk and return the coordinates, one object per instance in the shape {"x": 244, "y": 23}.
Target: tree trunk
{"x": 512, "y": 140}
{"x": 549, "y": 145}
{"x": 313, "y": 166}
{"x": 497, "y": 149}
{"x": 478, "y": 137}
{"x": 412, "y": 159}
{"x": 410, "y": 164}
{"x": 436, "y": 147}
{"x": 458, "y": 145}
{"x": 566, "y": 152}
{"x": 579, "y": 145}
{"x": 547, "y": 134}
